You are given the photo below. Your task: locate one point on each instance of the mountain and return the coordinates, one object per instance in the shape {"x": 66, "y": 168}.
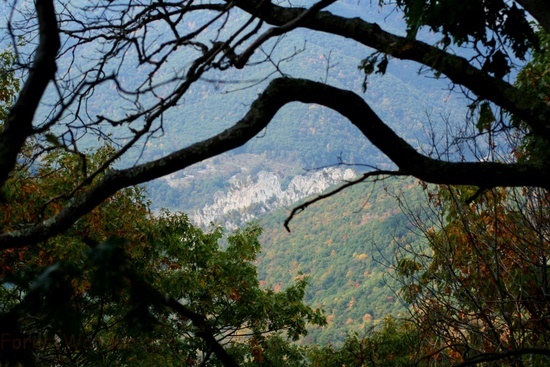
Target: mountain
{"x": 331, "y": 243}
{"x": 345, "y": 245}
{"x": 263, "y": 193}
{"x": 302, "y": 137}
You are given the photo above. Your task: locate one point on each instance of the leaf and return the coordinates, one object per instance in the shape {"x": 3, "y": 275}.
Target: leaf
{"x": 382, "y": 66}
{"x": 415, "y": 17}
{"x": 52, "y": 139}
{"x": 497, "y": 64}
{"x": 407, "y": 267}
{"x": 368, "y": 65}
{"x": 486, "y": 117}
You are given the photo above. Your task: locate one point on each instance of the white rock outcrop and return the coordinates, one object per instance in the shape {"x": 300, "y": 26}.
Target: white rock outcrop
{"x": 264, "y": 192}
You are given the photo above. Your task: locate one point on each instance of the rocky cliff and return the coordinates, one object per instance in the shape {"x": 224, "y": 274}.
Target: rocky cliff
{"x": 265, "y": 191}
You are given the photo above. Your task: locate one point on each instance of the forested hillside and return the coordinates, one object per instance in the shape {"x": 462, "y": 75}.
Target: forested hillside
{"x": 432, "y": 115}
{"x": 346, "y": 247}
{"x": 300, "y": 137}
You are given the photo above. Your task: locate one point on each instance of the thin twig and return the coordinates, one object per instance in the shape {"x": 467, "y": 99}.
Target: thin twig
{"x": 241, "y": 61}
{"x": 362, "y": 178}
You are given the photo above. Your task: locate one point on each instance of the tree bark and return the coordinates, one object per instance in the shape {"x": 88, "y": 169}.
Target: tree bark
{"x": 280, "y": 92}
{"x": 18, "y": 126}
{"x": 531, "y": 110}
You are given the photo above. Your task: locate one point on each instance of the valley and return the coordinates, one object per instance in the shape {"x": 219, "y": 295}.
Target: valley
{"x": 344, "y": 245}
{"x": 292, "y": 183}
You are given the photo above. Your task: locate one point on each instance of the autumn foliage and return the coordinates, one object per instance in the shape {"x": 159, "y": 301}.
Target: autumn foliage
{"x": 479, "y": 291}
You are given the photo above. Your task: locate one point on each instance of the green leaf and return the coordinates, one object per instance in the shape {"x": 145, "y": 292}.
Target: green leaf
{"x": 52, "y": 139}
{"x": 415, "y": 17}
{"x": 486, "y": 117}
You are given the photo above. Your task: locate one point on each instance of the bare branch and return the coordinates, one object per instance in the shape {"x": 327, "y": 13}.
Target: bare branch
{"x": 363, "y": 177}
{"x": 280, "y": 92}
{"x": 530, "y": 109}
{"x": 241, "y": 61}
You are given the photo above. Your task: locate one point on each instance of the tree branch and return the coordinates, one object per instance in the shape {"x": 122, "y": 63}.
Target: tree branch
{"x": 532, "y": 110}
{"x": 280, "y": 92}
{"x": 363, "y": 177}
{"x": 241, "y": 61}
{"x": 204, "y": 330}
{"x": 491, "y": 357}
{"x": 18, "y": 126}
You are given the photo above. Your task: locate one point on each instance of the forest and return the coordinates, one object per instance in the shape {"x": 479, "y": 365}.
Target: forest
{"x": 435, "y": 254}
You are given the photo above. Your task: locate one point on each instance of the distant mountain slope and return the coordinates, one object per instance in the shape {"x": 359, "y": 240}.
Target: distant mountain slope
{"x": 264, "y": 192}
{"x": 345, "y": 246}
{"x": 301, "y": 136}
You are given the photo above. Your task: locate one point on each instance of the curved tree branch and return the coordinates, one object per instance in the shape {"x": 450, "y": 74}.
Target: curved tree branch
{"x": 18, "y": 126}
{"x": 539, "y": 9}
{"x": 532, "y": 110}
{"x": 280, "y": 92}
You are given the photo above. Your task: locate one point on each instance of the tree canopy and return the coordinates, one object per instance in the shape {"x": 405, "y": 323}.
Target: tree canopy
{"x": 125, "y": 287}
{"x": 73, "y": 50}
{"x": 478, "y": 291}
{"x": 145, "y": 58}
